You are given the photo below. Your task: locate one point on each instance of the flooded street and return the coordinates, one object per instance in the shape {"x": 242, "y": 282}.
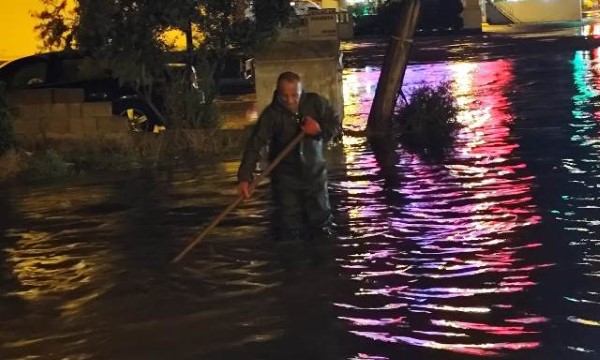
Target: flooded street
{"x": 492, "y": 249}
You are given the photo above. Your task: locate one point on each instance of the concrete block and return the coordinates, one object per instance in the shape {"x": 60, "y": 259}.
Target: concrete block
{"x": 26, "y": 127}
{"x": 68, "y": 96}
{"x": 81, "y": 127}
{"x": 90, "y": 126}
{"x": 33, "y": 111}
{"x": 74, "y": 110}
{"x": 56, "y": 125}
{"x": 76, "y": 126}
{"x": 44, "y": 123}
{"x": 19, "y": 113}
{"x": 27, "y": 97}
{"x": 59, "y": 111}
{"x": 96, "y": 109}
{"x": 112, "y": 124}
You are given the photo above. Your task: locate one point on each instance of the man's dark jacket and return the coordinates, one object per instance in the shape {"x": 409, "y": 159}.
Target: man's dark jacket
{"x": 277, "y": 127}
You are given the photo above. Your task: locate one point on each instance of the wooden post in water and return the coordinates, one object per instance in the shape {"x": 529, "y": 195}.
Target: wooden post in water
{"x": 394, "y": 67}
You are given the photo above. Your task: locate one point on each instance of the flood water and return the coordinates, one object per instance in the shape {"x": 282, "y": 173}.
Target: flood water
{"x": 491, "y": 250}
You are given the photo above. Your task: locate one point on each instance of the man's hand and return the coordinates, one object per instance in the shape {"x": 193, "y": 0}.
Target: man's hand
{"x": 244, "y": 190}
{"x": 311, "y": 127}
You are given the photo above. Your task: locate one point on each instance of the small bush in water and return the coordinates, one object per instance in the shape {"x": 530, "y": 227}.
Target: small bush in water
{"x": 48, "y": 165}
{"x": 429, "y": 118}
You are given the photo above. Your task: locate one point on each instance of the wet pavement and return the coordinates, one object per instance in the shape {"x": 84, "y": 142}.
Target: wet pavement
{"x": 488, "y": 250}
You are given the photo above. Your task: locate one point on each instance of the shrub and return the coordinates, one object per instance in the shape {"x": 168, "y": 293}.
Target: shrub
{"x": 190, "y": 105}
{"x": 12, "y": 163}
{"x": 429, "y": 118}
{"x": 48, "y": 165}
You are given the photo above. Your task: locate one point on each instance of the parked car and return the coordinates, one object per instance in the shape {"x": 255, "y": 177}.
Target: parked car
{"x": 77, "y": 70}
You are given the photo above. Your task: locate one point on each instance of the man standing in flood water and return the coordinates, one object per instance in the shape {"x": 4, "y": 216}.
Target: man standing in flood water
{"x": 299, "y": 183}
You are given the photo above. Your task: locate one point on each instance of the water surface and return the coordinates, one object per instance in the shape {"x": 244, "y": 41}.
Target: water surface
{"x": 489, "y": 250}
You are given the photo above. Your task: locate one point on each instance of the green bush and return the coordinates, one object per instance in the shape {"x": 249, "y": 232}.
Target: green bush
{"x": 7, "y": 138}
{"x": 429, "y": 118}
{"x": 66, "y": 158}
{"x": 48, "y": 165}
{"x": 98, "y": 157}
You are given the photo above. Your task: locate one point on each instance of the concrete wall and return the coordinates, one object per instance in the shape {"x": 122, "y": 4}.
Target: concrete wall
{"x": 61, "y": 113}
{"x": 317, "y": 62}
{"x": 493, "y": 16}
{"x": 471, "y": 15}
{"x": 537, "y": 11}
{"x": 346, "y": 30}
{"x": 345, "y": 25}
{"x": 300, "y": 31}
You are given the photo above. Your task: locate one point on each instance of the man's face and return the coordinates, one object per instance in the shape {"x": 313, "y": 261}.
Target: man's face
{"x": 289, "y": 94}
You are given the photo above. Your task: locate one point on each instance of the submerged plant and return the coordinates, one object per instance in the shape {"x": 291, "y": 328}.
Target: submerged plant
{"x": 48, "y": 165}
{"x": 429, "y": 118}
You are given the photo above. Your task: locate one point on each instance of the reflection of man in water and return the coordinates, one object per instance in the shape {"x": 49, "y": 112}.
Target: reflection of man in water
{"x": 299, "y": 183}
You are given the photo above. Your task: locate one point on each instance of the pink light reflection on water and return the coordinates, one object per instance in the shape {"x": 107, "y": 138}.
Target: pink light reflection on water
{"x": 449, "y": 250}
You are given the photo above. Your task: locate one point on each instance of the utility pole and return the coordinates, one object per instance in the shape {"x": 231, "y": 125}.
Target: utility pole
{"x": 393, "y": 70}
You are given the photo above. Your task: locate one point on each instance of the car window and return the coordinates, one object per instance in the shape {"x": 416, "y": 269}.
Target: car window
{"x": 81, "y": 69}
{"x": 29, "y": 75}
{"x": 232, "y": 68}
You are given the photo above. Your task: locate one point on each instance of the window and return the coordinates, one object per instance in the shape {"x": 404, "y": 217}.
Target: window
{"x": 29, "y": 75}
{"x": 81, "y": 69}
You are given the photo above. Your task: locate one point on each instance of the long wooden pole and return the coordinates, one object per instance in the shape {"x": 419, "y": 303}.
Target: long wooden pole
{"x": 240, "y": 198}
{"x": 393, "y": 69}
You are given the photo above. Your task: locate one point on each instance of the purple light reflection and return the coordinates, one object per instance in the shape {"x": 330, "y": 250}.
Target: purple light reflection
{"x": 449, "y": 250}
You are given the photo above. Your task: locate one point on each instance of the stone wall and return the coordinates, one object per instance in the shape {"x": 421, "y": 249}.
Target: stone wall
{"x": 59, "y": 118}
{"x": 61, "y": 113}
